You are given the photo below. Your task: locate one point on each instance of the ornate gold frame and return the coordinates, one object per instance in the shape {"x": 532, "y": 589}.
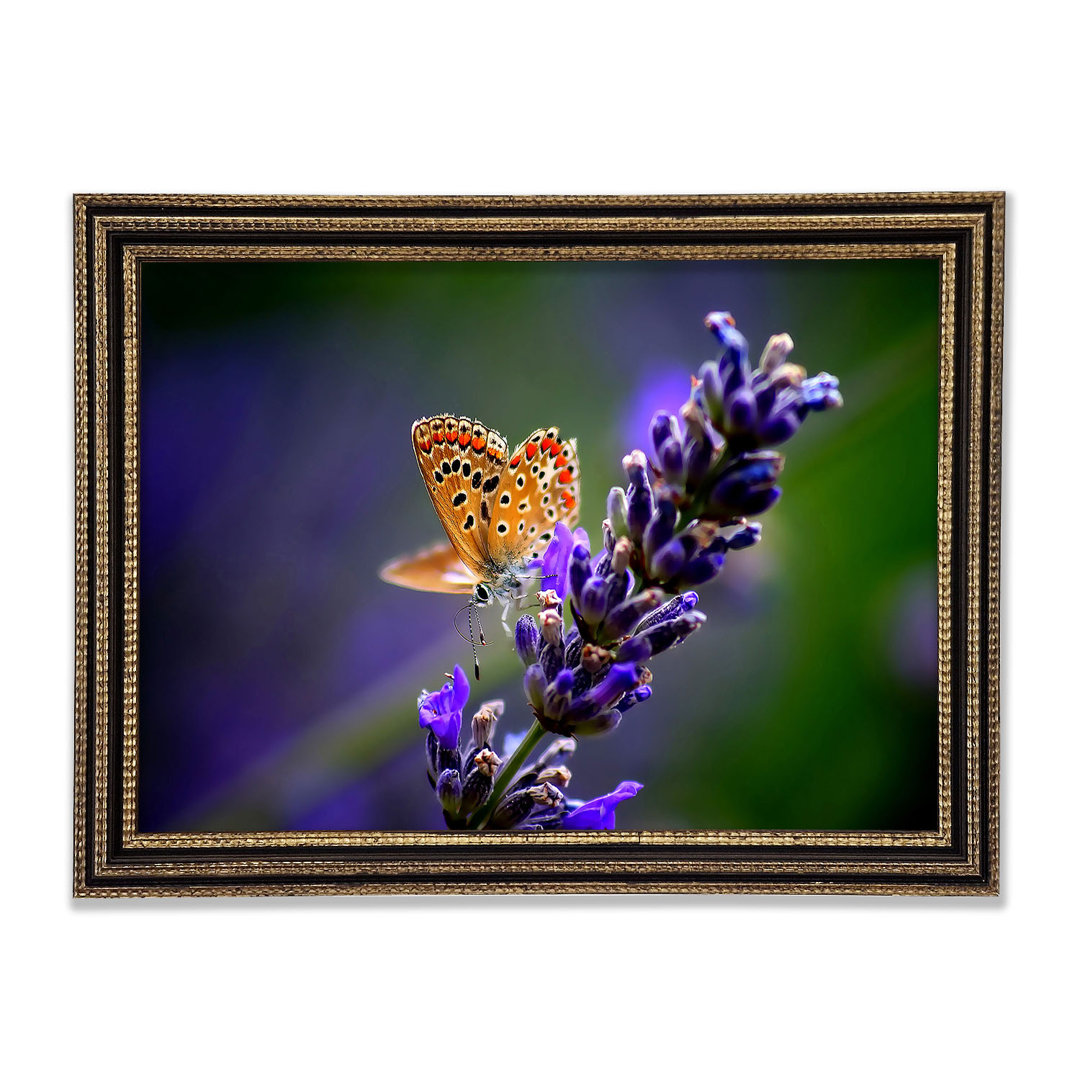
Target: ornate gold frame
{"x": 116, "y": 235}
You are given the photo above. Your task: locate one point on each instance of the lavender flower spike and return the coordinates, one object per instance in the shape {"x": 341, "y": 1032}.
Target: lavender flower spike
{"x": 600, "y": 813}
{"x": 603, "y": 617}
{"x": 440, "y": 712}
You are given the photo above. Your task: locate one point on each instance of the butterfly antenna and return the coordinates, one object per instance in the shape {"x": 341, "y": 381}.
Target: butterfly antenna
{"x": 482, "y": 641}
{"x": 470, "y": 638}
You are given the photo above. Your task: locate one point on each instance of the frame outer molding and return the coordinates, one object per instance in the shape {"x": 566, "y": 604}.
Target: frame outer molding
{"x": 114, "y": 235}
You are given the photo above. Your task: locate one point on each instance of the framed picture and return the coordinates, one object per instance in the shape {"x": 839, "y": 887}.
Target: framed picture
{"x": 554, "y": 544}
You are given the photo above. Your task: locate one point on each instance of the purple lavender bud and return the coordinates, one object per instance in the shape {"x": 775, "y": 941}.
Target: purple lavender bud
{"x": 584, "y": 676}
{"x": 639, "y": 511}
{"x": 699, "y": 455}
{"x": 579, "y": 572}
{"x": 663, "y": 428}
{"x": 593, "y": 601}
{"x": 601, "y": 564}
{"x": 822, "y": 392}
{"x": 601, "y": 724}
{"x": 669, "y": 560}
{"x": 740, "y": 411}
{"x": 766, "y": 391}
{"x": 551, "y": 660}
{"x": 572, "y": 648}
{"x": 733, "y": 364}
{"x": 512, "y": 810}
{"x": 750, "y": 475}
{"x": 619, "y": 679}
{"x": 637, "y": 468}
{"x": 617, "y": 511}
{"x": 618, "y": 586}
{"x": 758, "y": 502}
{"x": 557, "y": 695}
{"x": 634, "y": 650}
{"x": 702, "y": 569}
{"x": 535, "y": 685}
{"x": 746, "y": 537}
{"x": 448, "y": 790}
{"x": 630, "y": 612}
{"x": 527, "y": 639}
{"x": 670, "y": 459}
{"x": 660, "y": 529}
{"x": 475, "y": 791}
{"x": 676, "y": 606}
{"x": 448, "y": 758}
{"x": 712, "y": 390}
{"x": 632, "y": 698}
{"x": 667, "y": 635}
{"x": 779, "y": 426}
{"x": 639, "y": 497}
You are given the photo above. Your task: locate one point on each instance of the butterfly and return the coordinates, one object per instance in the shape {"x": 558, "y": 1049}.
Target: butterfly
{"x": 499, "y": 509}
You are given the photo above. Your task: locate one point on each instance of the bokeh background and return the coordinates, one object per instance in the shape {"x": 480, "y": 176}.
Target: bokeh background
{"x": 279, "y": 675}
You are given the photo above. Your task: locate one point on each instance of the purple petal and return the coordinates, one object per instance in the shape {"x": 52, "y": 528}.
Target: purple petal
{"x": 600, "y": 813}
{"x": 556, "y": 562}
{"x": 459, "y": 692}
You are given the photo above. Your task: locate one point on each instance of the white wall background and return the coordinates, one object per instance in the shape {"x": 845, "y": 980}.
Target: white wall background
{"x": 552, "y": 98}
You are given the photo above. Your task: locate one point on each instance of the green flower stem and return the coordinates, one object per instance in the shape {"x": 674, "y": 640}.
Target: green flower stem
{"x": 506, "y": 774}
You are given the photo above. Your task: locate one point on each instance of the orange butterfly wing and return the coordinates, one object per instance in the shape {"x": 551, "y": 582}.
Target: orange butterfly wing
{"x": 435, "y": 569}
{"x": 461, "y": 462}
{"x": 540, "y": 486}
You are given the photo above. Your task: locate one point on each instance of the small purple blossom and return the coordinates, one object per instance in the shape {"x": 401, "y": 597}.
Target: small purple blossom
{"x": 440, "y": 712}
{"x": 555, "y": 562}
{"x": 600, "y": 813}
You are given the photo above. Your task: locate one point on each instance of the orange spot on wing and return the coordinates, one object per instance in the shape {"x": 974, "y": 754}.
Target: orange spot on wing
{"x": 565, "y": 476}
{"x": 569, "y": 500}
{"x": 561, "y": 462}
{"x": 545, "y": 443}
{"x": 478, "y": 443}
{"x": 437, "y": 436}
{"x": 463, "y": 438}
{"x": 530, "y": 450}
{"x": 515, "y": 461}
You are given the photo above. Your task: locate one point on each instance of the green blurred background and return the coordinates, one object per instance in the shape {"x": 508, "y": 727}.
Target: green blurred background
{"x": 278, "y": 675}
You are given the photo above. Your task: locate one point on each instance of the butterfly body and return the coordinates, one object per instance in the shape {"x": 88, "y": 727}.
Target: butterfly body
{"x": 498, "y": 507}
